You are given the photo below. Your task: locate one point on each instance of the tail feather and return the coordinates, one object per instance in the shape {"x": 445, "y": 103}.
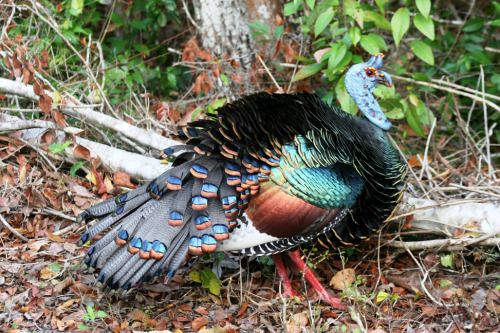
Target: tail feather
{"x": 114, "y": 216}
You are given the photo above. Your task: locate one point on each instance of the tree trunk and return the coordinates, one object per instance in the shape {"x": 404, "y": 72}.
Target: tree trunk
{"x": 224, "y": 25}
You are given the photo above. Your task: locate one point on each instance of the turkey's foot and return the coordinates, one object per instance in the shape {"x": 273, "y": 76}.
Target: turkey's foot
{"x": 318, "y": 286}
{"x": 287, "y": 285}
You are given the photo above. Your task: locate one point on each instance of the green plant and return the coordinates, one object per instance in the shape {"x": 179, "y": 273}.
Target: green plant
{"x": 91, "y": 316}
{"x": 56, "y": 148}
{"x": 208, "y": 280}
{"x": 341, "y": 27}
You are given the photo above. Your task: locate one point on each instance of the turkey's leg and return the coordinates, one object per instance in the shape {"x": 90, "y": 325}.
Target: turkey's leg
{"x": 287, "y": 286}
{"x": 322, "y": 292}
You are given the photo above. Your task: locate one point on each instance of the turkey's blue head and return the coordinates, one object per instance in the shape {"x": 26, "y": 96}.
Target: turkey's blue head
{"x": 361, "y": 80}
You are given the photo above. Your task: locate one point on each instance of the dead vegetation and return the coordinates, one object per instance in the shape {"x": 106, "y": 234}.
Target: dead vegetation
{"x": 417, "y": 275}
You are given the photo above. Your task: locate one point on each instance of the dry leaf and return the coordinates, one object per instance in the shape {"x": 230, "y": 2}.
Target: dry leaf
{"x": 343, "y": 278}
{"x": 416, "y": 160}
{"x": 297, "y": 322}
{"x": 123, "y": 179}
{"x": 53, "y": 237}
{"x": 108, "y": 184}
{"x": 199, "y": 323}
{"x": 82, "y": 152}
{"x": 45, "y": 103}
{"x": 59, "y": 118}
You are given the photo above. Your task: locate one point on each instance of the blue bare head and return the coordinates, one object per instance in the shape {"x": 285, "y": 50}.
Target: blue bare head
{"x": 361, "y": 80}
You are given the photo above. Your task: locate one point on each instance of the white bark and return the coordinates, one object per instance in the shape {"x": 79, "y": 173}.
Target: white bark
{"x": 224, "y": 28}
{"x": 146, "y": 138}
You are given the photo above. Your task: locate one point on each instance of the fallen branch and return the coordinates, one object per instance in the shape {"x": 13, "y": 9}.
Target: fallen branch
{"x": 140, "y": 168}
{"x": 75, "y": 109}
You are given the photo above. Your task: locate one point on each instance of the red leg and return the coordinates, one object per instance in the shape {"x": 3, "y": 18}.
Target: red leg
{"x": 322, "y": 292}
{"x": 280, "y": 267}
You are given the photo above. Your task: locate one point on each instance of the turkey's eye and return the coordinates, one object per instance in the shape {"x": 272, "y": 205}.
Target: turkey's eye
{"x": 369, "y": 72}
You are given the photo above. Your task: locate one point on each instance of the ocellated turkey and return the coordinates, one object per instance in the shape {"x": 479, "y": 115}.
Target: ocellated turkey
{"x": 263, "y": 175}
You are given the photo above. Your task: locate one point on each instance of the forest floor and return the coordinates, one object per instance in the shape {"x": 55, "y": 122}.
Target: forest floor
{"x": 440, "y": 288}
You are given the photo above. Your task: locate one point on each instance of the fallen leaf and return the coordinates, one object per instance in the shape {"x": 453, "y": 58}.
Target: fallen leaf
{"x": 123, "y": 179}
{"x": 493, "y": 301}
{"x": 199, "y": 323}
{"x": 53, "y": 237}
{"x": 82, "y": 152}
{"x": 343, "y": 278}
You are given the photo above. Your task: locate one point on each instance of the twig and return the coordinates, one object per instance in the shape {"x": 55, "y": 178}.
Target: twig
{"x": 269, "y": 73}
{"x": 455, "y": 91}
{"x": 486, "y": 132}
{"x": 449, "y": 203}
{"x": 455, "y": 244}
{"x": 14, "y": 231}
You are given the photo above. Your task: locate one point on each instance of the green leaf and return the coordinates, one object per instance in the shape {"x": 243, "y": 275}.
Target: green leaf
{"x": 83, "y": 327}
{"x": 57, "y": 148}
{"x": 379, "y": 20}
{"x": 75, "y": 168}
{"x": 381, "y": 5}
{"x": 311, "y": 3}
{"x": 420, "y": 77}
{"x": 423, "y": 51}
{"x": 495, "y": 23}
{"x": 447, "y": 260}
{"x": 424, "y": 7}
{"x": 355, "y": 34}
{"x": 55, "y": 267}
{"x": 101, "y": 314}
{"x": 400, "y": 23}
{"x": 414, "y": 121}
{"x": 346, "y": 102}
{"x": 323, "y": 20}
{"x": 307, "y": 71}
{"x": 218, "y": 103}
{"x": 395, "y": 114}
{"x": 474, "y": 24}
{"x": 195, "y": 276}
{"x": 76, "y": 7}
{"x": 372, "y": 43}
{"x": 381, "y": 296}
{"x": 425, "y": 26}
{"x": 337, "y": 54}
{"x": 353, "y": 9}
{"x": 214, "y": 286}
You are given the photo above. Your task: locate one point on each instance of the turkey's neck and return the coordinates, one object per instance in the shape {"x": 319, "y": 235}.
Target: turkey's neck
{"x": 369, "y": 106}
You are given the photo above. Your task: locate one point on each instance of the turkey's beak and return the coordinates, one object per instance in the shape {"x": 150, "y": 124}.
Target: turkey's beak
{"x": 384, "y": 78}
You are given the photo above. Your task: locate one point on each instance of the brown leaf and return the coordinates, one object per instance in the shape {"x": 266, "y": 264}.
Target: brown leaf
{"x": 26, "y": 76}
{"x": 343, "y": 278}
{"x": 242, "y": 309}
{"x": 493, "y": 301}
{"x": 37, "y": 89}
{"x": 53, "y": 237}
{"x": 199, "y": 323}
{"x": 279, "y": 19}
{"x": 45, "y": 58}
{"x": 16, "y": 64}
{"x": 203, "y": 83}
{"x": 429, "y": 310}
{"x": 99, "y": 182}
{"x": 7, "y": 62}
{"x": 136, "y": 315}
{"x": 45, "y": 103}
{"x": 59, "y": 288}
{"x": 416, "y": 160}
{"x": 82, "y": 152}
{"x": 58, "y": 118}
{"x": 123, "y": 179}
